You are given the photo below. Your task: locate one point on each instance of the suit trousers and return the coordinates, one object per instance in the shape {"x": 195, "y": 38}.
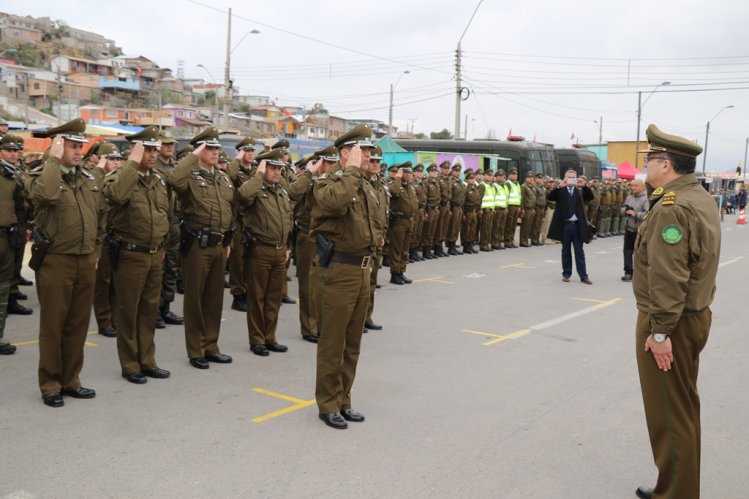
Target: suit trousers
{"x": 265, "y": 273}
{"x": 629, "y": 248}
{"x": 571, "y": 237}
{"x": 672, "y": 405}
{"x": 344, "y": 299}
{"x": 203, "y": 276}
{"x": 137, "y": 283}
{"x": 65, "y": 286}
{"x": 306, "y": 249}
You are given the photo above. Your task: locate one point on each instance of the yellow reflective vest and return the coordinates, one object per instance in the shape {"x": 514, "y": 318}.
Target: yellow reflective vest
{"x": 500, "y": 196}
{"x": 488, "y": 202}
{"x": 514, "y": 190}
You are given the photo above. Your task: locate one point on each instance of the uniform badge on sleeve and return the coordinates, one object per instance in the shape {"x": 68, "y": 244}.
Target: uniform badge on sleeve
{"x": 672, "y": 234}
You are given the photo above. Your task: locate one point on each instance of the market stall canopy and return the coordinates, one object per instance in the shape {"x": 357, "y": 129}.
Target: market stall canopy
{"x": 627, "y": 171}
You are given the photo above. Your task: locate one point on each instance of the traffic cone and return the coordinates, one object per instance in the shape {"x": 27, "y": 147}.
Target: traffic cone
{"x": 742, "y": 219}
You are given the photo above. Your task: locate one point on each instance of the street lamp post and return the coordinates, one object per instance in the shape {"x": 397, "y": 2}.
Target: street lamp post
{"x": 743, "y": 171}
{"x": 390, "y": 113}
{"x": 707, "y": 135}
{"x": 640, "y": 105}
{"x": 215, "y": 93}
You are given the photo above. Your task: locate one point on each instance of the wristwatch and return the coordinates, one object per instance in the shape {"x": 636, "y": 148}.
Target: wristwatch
{"x": 659, "y": 337}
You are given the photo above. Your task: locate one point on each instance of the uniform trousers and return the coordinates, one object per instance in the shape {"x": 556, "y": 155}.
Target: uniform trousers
{"x": 171, "y": 264}
{"x": 306, "y": 248}
{"x": 487, "y": 227}
{"x": 418, "y": 228}
{"x": 430, "y": 227}
{"x": 237, "y": 284}
{"x": 456, "y": 220}
{"x": 104, "y": 291}
{"x": 376, "y": 262}
{"x": 526, "y": 226}
{"x": 511, "y": 224}
{"x": 400, "y": 241}
{"x": 137, "y": 283}
{"x": 344, "y": 298}
{"x": 498, "y": 226}
{"x": 468, "y": 230}
{"x": 444, "y": 222}
{"x": 7, "y": 258}
{"x": 538, "y": 221}
{"x": 65, "y": 286}
{"x": 203, "y": 277}
{"x": 265, "y": 274}
{"x": 672, "y": 405}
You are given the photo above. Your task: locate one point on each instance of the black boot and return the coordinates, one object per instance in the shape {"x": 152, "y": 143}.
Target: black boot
{"x": 457, "y": 251}
{"x": 397, "y": 279}
{"x": 438, "y": 251}
{"x": 16, "y": 308}
{"x": 386, "y": 261}
{"x": 427, "y": 253}
{"x": 239, "y": 303}
{"x": 170, "y": 317}
{"x": 451, "y": 249}
{"x": 411, "y": 257}
{"x": 180, "y": 287}
{"x": 419, "y": 258}
{"x": 405, "y": 279}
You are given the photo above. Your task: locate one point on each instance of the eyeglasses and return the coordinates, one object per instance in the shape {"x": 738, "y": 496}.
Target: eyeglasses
{"x": 647, "y": 159}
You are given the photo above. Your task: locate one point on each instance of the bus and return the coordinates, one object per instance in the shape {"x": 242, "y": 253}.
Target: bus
{"x": 487, "y": 154}
{"x": 582, "y": 161}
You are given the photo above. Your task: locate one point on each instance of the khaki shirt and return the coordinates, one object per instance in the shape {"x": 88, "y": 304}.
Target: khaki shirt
{"x": 66, "y": 208}
{"x": 473, "y": 199}
{"x": 458, "y": 197}
{"x": 268, "y": 214}
{"x": 540, "y": 196}
{"x": 445, "y": 186}
{"x": 676, "y": 253}
{"x": 300, "y": 192}
{"x": 206, "y": 199}
{"x": 528, "y": 195}
{"x": 433, "y": 192}
{"x": 346, "y": 211}
{"x": 405, "y": 200}
{"x": 140, "y": 205}
{"x": 11, "y": 195}
{"x": 383, "y": 196}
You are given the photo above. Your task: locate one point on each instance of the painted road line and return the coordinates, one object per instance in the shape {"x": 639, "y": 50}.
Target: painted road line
{"x": 729, "y": 262}
{"x": 521, "y": 265}
{"x": 481, "y": 333}
{"x": 34, "y": 342}
{"x": 588, "y": 299}
{"x": 298, "y": 404}
{"x": 511, "y": 336}
{"x": 434, "y": 279}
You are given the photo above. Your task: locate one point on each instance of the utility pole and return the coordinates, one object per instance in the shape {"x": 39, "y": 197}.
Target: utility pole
{"x": 59, "y": 96}
{"x": 390, "y": 113}
{"x": 465, "y": 129}
{"x": 600, "y": 131}
{"x": 458, "y": 91}
{"x": 639, "y": 117}
{"x": 743, "y": 171}
{"x": 227, "y": 81}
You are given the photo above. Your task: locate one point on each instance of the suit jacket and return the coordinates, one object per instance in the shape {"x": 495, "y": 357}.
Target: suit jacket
{"x": 563, "y": 199}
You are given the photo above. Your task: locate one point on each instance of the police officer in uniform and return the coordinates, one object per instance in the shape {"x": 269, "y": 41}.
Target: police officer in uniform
{"x": 471, "y": 208}
{"x": 241, "y": 169}
{"x": 488, "y": 205}
{"x": 443, "y": 180}
{"x": 383, "y": 197}
{"x": 501, "y": 198}
{"x": 66, "y": 201}
{"x": 538, "y": 217}
{"x": 514, "y": 199}
{"x": 528, "y": 195}
{"x": 404, "y": 205}
{"x": 421, "y": 195}
{"x": 287, "y": 177}
{"x": 345, "y": 215}
{"x": 267, "y": 230}
{"x": 11, "y": 206}
{"x": 140, "y": 226}
{"x": 457, "y": 200}
{"x": 206, "y": 196}
{"x": 431, "y": 213}
{"x": 676, "y": 261}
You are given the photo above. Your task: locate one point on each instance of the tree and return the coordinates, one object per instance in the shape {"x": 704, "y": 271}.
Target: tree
{"x": 444, "y": 134}
{"x": 318, "y": 108}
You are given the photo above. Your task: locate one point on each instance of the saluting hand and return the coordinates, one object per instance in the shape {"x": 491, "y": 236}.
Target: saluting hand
{"x": 354, "y": 158}
{"x": 399, "y": 173}
{"x": 58, "y": 147}
{"x": 200, "y": 149}
{"x": 136, "y": 154}
{"x": 662, "y": 352}
{"x": 314, "y": 167}
{"x": 102, "y": 163}
{"x": 261, "y": 168}
{"x": 240, "y": 155}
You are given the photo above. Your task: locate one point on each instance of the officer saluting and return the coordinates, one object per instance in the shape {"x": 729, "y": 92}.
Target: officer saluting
{"x": 140, "y": 224}
{"x": 66, "y": 201}
{"x": 676, "y": 261}
{"x": 344, "y": 220}
{"x": 206, "y": 197}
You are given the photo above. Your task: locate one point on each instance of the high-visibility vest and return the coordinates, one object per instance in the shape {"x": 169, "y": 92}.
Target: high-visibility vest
{"x": 487, "y": 202}
{"x": 500, "y": 196}
{"x": 514, "y": 198}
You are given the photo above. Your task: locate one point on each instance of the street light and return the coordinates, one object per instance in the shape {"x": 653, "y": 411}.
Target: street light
{"x": 746, "y": 149}
{"x": 215, "y": 93}
{"x": 707, "y": 134}
{"x": 640, "y": 105}
{"x": 458, "y": 82}
{"x": 390, "y": 114}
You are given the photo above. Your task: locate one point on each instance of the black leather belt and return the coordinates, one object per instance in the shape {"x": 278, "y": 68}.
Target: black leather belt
{"x": 260, "y": 242}
{"x": 358, "y": 261}
{"x": 5, "y": 231}
{"x": 140, "y": 248}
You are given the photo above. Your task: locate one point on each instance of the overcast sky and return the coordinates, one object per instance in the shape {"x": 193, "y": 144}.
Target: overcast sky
{"x": 540, "y": 68}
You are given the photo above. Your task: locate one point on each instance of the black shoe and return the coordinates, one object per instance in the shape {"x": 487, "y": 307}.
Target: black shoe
{"x": 108, "y": 331}
{"x": 80, "y": 393}
{"x": 485, "y": 249}
{"x": 239, "y": 303}
{"x": 219, "y": 358}
{"x": 427, "y": 254}
{"x": 312, "y": 338}
{"x": 180, "y": 287}
{"x": 438, "y": 250}
{"x": 7, "y": 349}
{"x": 276, "y": 347}
{"x": 385, "y": 261}
{"x": 378, "y": 286}
{"x": 260, "y": 350}
{"x": 627, "y": 277}
{"x": 365, "y": 331}
{"x": 136, "y": 378}
{"x": 21, "y": 296}
{"x": 351, "y": 415}
{"x": 22, "y": 281}
{"x": 53, "y": 400}
{"x": 288, "y": 300}
{"x": 160, "y": 324}
{"x": 16, "y": 308}
{"x": 171, "y": 318}
{"x": 373, "y": 326}
{"x": 451, "y": 250}
{"x": 226, "y": 284}
{"x": 199, "y": 363}
{"x": 406, "y": 279}
{"x": 396, "y": 279}
{"x": 334, "y": 420}
{"x": 156, "y": 372}
{"x": 644, "y": 492}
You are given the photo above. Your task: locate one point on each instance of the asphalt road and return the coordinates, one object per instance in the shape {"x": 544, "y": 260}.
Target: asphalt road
{"x": 491, "y": 379}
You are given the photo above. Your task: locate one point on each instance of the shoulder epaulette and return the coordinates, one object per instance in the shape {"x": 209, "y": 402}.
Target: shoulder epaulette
{"x": 669, "y": 198}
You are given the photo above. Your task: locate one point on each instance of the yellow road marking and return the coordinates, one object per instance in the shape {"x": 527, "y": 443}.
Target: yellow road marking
{"x": 481, "y": 333}
{"x": 520, "y": 265}
{"x": 34, "y": 342}
{"x": 434, "y": 279}
{"x": 511, "y": 336}
{"x": 298, "y": 404}
{"x": 588, "y": 299}
{"x": 729, "y": 262}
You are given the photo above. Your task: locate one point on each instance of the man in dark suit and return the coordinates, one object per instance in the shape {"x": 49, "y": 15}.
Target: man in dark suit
{"x": 568, "y": 224}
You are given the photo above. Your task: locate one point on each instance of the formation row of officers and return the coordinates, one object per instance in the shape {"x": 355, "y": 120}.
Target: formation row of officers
{"x": 120, "y": 235}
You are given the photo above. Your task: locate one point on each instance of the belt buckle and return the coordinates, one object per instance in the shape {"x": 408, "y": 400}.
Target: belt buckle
{"x": 365, "y": 262}
{"x": 151, "y": 251}
{"x": 279, "y": 246}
